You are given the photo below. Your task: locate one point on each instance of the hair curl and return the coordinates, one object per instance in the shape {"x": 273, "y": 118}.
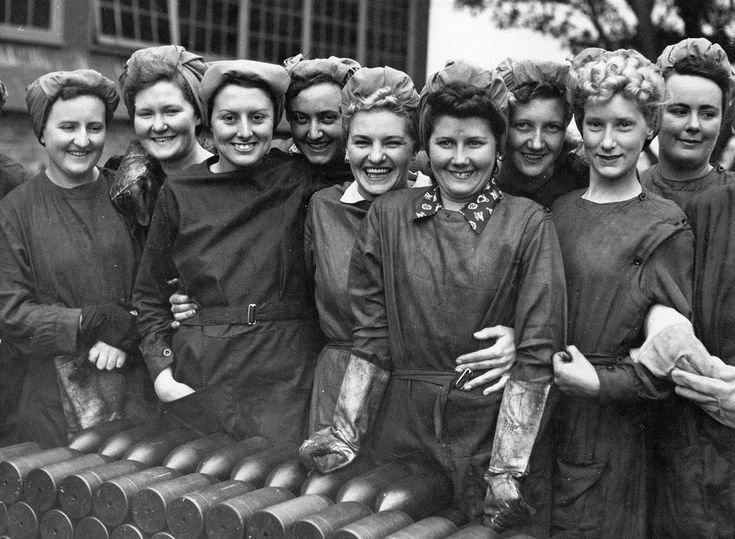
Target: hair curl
{"x": 625, "y": 72}
{"x": 461, "y": 100}
{"x": 383, "y": 99}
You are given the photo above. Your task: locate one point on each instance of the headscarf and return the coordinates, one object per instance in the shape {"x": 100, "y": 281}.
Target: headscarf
{"x": 338, "y": 69}
{"x": 518, "y": 73}
{"x": 189, "y": 65}
{"x": 273, "y": 76}
{"x": 697, "y": 47}
{"x": 460, "y": 72}
{"x": 3, "y": 94}
{"x": 368, "y": 80}
{"x": 43, "y": 92}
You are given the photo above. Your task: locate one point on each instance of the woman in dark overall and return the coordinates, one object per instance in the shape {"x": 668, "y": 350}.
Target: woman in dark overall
{"x": 67, "y": 266}
{"x": 430, "y": 266}
{"x": 624, "y": 251}
{"x": 231, "y": 229}
{"x": 540, "y": 161}
{"x": 699, "y": 80}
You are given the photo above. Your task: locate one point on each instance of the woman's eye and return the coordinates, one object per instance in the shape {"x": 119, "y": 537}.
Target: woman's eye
{"x": 554, "y": 128}
{"x": 301, "y": 119}
{"x": 522, "y": 126}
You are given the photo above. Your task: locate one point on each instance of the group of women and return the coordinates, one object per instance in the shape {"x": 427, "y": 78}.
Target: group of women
{"x": 527, "y": 318}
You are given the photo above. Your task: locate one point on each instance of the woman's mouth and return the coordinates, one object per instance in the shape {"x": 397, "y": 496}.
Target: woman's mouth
{"x": 318, "y": 146}
{"x": 377, "y": 173}
{"x": 243, "y": 147}
{"x": 533, "y": 157}
{"x": 163, "y": 140}
{"x": 461, "y": 174}
{"x": 78, "y": 153}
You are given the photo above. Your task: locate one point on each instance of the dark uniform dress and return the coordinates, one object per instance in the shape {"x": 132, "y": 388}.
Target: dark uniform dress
{"x": 13, "y": 368}
{"x": 235, "y": 240}
{"x": 695, "y": 476}
{"x": 332, "y": 223}
{"x": 422, "y": 280}
{"x": 571, "y": 172}
{"x": 620, "y": 259}
{"x": 682, "y": 192}
{"x": 61, "y": 249}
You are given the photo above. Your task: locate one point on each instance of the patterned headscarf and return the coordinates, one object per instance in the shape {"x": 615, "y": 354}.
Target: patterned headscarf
{"x": 189, "y": 65}
{"x": 43, "y": 92}
{"x": 273, "y": 76}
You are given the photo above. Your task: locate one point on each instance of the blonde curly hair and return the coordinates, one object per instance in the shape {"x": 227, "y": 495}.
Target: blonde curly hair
{"x": 383, "y": 99}
{"x": 599, "y": 75}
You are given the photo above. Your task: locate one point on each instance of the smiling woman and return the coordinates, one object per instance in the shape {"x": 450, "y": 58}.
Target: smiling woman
{"x": 67, "y": 265}
{"x": 699, "y": 79}
{"x": 231, "y": 229}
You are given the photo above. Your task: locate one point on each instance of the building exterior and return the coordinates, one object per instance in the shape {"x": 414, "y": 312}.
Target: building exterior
{"x": 38, "y": 36}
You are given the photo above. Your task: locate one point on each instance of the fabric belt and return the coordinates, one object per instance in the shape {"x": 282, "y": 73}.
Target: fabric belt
{"x": 444, "y": 379}
{"x": 341, "y": 345}
{"x": 250, "y": 315}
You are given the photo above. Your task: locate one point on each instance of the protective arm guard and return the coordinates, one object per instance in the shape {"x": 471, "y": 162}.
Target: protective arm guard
{"x": 359, "y": 398}
{"x": 518, "y": 425}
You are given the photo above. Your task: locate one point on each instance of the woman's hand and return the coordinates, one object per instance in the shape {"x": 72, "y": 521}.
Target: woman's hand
{"x": 716, "y": 396}
{"x": 169, "y": 389}
{"x": 106, "y": 357}
{"x": 496, "y": 360}
{"x": 577, "y": 377}
{"x": 182, "y": 308}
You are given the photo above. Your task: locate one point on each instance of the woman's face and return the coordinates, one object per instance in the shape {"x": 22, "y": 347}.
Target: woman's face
{"x": 691, "y": 121}
{"x": 614, "y": 133}
{"x": 74, "y": 136}
{"x": 536, "y": 135}
{"x": 165, "y": 122}
{"x": 242, "y": 126}
{"x": 379, "y": 149}
{"x": 462, "y": 154}
{"x": 316, "y": 123}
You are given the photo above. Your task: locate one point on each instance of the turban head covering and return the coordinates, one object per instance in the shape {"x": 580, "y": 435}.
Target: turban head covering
{"x": 272, "y": 76}
{"x": 338, "y": 69}
{"x": 43, "y": 92}
{"x": 162, "y": 60}
{"x": 460, "y": 72}
{"x": 518, "y": 73}
{"x": 368, "y": 80}
{"x": 701, "y": 48}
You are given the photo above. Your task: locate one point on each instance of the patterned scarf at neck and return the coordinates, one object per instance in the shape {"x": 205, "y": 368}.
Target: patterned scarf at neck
{"x": 477, "y": 213}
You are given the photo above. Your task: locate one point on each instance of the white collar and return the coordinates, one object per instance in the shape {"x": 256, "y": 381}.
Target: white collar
{"x": 352, "y": 194}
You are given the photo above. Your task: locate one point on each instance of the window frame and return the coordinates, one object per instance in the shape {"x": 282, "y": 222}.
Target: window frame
{"x": 32, "y": 34}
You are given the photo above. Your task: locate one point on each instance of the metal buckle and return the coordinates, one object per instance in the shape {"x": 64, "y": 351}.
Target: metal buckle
{"x": 251, "y": 314}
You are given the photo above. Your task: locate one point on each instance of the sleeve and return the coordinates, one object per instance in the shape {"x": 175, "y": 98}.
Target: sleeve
{"x": 151, "y": 292}
{"x": 541, "y": 303}
{"x": 667, "y": 280}
{"x": 367, "y": 293}
{"x": 33, "y": 328}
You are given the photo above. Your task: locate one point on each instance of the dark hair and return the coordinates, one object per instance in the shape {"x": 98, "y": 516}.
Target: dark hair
{"x": 299, "y": 84}
{"x": 461, "y": 100}
{"x": 526, "y": 93}
{"x": 70, "y": 92}
{"x": 149, "y": 73}
{"x": 229, "y": 79}
{"x": 706, "y": 68}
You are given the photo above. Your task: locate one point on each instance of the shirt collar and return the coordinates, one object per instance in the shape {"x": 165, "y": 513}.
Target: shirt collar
{"x": 352, "y": 194}
{"x": 476, "y": 213}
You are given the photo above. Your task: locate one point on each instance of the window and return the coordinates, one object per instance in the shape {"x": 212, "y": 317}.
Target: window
{"x": 209, "y": 27}
{"x": 275, "y": 29}
{"x": 388, "y": 33}
{"x": 30, "y": 20}
{"x": 334, "y": 29}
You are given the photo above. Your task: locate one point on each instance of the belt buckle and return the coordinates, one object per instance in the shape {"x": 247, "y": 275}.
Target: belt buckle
{"x": 251, "y": 315}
